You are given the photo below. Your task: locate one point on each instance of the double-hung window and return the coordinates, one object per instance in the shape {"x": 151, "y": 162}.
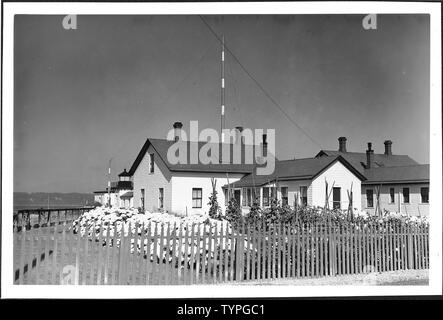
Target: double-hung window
{"x": 196, "y": 197}
{"x": 265, "y": 196}
{"x": 369, "y": 198}
{"x": 284, "y": 195}
{"x": 160, "y": 198}
{"x": 304, "y": 196}
{"x": 256, "y": 195}
{"x": 392, "y": 195}
{"x": 405, "y": 195}
{"x": 424, "y": 194}
{"x": 142, "y": 199}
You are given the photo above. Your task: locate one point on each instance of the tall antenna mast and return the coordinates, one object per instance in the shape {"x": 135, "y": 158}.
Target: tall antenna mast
{"x": 222, "y": 117}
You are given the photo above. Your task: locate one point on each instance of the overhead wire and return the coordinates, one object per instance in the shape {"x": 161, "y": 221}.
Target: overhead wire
{"x": 260, "y": 86}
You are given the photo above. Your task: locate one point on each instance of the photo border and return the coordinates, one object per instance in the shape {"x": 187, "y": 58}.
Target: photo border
{"x": 9, "y": 9}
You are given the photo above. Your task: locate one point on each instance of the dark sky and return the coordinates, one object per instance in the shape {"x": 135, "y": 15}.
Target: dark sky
{"x": 83, "y": 96}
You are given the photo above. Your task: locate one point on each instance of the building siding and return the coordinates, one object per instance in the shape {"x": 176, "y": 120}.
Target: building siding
{"x": 415, "y": 206}
{"x": 151, "y": 182}
{"x": 336, "y": 175}
{"x": 183, "y": 183}
{"x": 293, "y": 189}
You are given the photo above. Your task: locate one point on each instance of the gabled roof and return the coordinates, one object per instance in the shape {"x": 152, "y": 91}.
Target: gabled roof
{"x": 358, "y": 159}
{"x": 162, "y": 146}
{"x": 402, "y": 174}
{"x": 297, "y": 169}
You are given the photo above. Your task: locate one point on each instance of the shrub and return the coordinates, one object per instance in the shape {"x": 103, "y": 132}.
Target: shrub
{"x": 233, "y": 214}
{"x": 215, "y": 211}
{"x": 255, "y": 214}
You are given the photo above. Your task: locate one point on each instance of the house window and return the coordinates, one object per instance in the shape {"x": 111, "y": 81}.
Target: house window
{"x": 424, "y": 194}
{"x": 160, "y": 198}
{"x": 304, "y": 196}
{"x": 336, "y": 198}
{"x": 256, "y": 195}
{"x": 151, "y": 163}
{"x": 284, "y": 195}
{"x": 196, "y": 197}
{"x": 405, "y": 195}
{"x": 249, "y": 199}
{"x": 265, "y": 196}
{"x": 392, "y": 195}
{"x": 369, "y": 198}
{"x": 226, "y": 196}
{"x": 243, "y": 200}
{"x": 142, "y": 198}
{"x": 273, "y": 193}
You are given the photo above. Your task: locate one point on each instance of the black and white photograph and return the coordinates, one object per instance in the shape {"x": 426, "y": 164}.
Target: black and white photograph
{"x": 222, "y": 150}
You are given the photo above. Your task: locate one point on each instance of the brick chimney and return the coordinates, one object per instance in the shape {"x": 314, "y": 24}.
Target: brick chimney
{"x": 264, "y": 146}
{"x": 369, "y": 156}
{"x": 388, "y": 148}
{"x": 177, "y": 130}
{"x": 238, "y": 135}
{"x": 342, "y": 144}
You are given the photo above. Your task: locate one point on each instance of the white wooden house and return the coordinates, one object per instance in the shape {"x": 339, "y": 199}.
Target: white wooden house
{"x": 335, "y": 178}
{"x": 120, "y": 195}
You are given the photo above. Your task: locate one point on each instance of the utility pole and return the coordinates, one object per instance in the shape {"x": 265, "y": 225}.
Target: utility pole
{"x": 222, "y": 117}
{"x": 109, "y": 183}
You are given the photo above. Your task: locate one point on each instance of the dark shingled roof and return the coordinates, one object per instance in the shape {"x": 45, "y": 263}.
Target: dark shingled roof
{"x": 297, "y": 169}
{"x": 358, "y": 159}
{"x": 402, "y": 174}
{"x": 161, "y": 146}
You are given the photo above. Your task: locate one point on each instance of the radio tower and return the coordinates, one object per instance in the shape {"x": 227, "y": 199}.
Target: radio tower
{"x": 222, "y": 116}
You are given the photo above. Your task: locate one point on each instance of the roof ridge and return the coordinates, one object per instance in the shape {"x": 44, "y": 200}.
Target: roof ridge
{"x": 403, "y": 166}
{"x": 364, "y": 153}
{"x": 307, "y": 158}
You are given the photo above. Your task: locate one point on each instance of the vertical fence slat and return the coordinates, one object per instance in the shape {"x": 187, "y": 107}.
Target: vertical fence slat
{"x": 167, "y": 255}
{"x": 215, "y": 251}
{"x": 21, "y": 266}
{"x": 54, "y": 256}
{"x": 262, "y": 253}
{"x": 173, "y": 253}
{"x": 46, "y": 265}
{"x": 160, "y": 265}
{"x": 191, "y": 275}
{"x": 200, "y": 251}
{"x": 232, "y": 254}
{"x": 222, "y": 253}
{"x": 186, "y": 254}
{"x": 179, "y": 251}
{"x": 254, "y": 251}
{"x": 273, "y": 235}
{"x": 100, "y": 254}
{"x": 241, "y": 255}
{"x": 149, "y": 252}
{"x": 114, "y": 255}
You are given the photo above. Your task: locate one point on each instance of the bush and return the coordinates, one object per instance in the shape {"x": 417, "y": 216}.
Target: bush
{"x": 233, "y": 214}
{"x": 215, "y": 211}
{"x": 255, "y": 214}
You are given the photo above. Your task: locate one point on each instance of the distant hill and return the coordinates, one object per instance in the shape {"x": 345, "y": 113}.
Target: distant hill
{"x": 25, "y": 200}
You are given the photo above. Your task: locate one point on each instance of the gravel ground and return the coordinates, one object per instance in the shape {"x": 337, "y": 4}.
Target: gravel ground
{"x": 402, "y": 277}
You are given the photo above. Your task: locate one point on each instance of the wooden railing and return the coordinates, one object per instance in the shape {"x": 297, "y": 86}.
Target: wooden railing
{"x": 209, "y": 254}
{"x": 34, "y": 218}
